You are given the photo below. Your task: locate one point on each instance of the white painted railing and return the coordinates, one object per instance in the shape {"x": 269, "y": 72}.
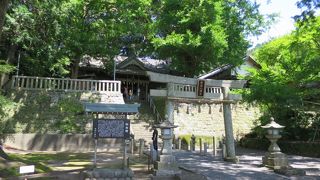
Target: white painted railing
{"x": 44, "y": 83}
{"x": 193, "y": 88}
{"x": 184, "y": 90}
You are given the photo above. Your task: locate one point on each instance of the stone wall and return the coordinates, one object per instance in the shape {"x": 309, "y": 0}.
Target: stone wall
{"x": 60, "y": 142}
{"x": 205, "y": 120}
{"x": 52, "y": 111}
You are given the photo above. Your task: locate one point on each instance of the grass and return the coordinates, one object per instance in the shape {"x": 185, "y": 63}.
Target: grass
{"x": 48, "y": 162}
{"x": 43, "y": 162}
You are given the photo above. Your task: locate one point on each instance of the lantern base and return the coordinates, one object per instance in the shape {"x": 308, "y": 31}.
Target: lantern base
{"x": 275, "y": 160}
{"x": 232, "y": 159}
{"x": 166, "y": 166}
{"x": 290, "y": 171}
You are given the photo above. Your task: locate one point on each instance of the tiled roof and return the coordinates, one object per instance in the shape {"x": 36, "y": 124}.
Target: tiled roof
{"x": 155, "y": 65}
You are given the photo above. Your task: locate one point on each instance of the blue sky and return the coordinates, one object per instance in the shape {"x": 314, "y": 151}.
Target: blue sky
{"x": 284, "y": 25}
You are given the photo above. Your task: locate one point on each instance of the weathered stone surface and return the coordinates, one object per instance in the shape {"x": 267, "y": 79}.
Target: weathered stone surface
{"x": 167, "y": 158}
{"x": 210, "y": 122}
{"x": 275, "y": 160}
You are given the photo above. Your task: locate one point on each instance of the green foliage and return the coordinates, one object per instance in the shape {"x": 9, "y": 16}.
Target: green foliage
{"x": 301, "y": 148}
{"x": 5, "y": 68}
{"x": 208, "y": 139}
{"x": 7, "y": 107}
{"x": 160, "y": 103}
{"x": 255, "y": 143}
{"x": 9, "y": 172}
{"x": 70, "y": 120}
{"x": 61, "y": 67}
{"x": 289, "y": 64}
{"x": 201, "y": 35}
{"x": 309, "y": 8}
{"x": 196, "y": 35}
{"x": 41, "y": 161}
{"x": 309, "y": 149}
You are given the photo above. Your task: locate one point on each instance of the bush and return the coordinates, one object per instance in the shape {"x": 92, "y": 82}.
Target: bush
{"x": 310, "y": 149}
{"x": 185, "y": 140}
{"x": 255, "y": 143}
{"x": 301, "y": 148}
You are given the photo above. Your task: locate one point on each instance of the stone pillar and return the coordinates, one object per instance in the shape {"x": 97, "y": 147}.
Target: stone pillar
{"x": 230, "y": 149}
{"x": 169, "y": 110}
{"x": 141, "y": 147}
{"x": 205, "y": 148}
{"x": 179, "y": 144}
{"x": 166, "y": 164}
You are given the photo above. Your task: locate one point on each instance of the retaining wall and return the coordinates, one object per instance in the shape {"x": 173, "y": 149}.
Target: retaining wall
{"x": 61, "y": 142}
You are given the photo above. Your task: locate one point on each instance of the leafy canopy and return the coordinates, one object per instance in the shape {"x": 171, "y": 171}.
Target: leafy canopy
{"x": 290, "y": 68}
{"x": 200, "y": 35}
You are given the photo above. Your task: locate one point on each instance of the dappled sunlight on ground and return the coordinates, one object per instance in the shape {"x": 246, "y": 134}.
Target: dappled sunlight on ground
{"x": 249, "y": 167}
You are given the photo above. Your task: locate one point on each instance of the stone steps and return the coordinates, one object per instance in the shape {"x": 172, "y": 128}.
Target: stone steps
{"x": 141, "y": 130}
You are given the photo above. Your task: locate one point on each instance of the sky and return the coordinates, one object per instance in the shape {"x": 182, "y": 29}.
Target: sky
{"x": 285, "y": 23}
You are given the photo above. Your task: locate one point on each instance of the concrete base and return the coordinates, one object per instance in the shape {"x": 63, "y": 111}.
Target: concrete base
{"x": 275, "y": 160}
{"x": 232, "y": 159}
{"x": 166, "y": 166}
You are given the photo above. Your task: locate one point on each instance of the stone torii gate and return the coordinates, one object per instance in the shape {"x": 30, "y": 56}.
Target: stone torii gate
{"x": 182, "y": 89}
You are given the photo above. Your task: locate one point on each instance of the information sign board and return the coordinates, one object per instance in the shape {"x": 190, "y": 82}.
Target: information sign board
{"x": 111, "y": 128}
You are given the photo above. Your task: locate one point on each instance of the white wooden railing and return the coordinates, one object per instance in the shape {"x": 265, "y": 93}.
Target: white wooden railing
{"x": 77, "y": 85}
{"x": 192, "y": 88}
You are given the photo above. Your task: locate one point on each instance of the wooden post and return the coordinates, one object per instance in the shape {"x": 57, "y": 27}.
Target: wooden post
{"x": 200, "y": 146}
{"x": 125, "y": 161}
{"x": 95, "y": 152}
{"x": 141, "y": 147}
{"x": 214, "y": 146}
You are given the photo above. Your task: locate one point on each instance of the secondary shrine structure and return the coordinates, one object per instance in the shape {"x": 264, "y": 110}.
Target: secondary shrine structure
{"x": 206, "y": 91}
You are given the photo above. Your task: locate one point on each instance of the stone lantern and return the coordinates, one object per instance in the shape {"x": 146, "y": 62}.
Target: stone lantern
{"x": 166, "y": 164}
{"x": 274, "y": 158}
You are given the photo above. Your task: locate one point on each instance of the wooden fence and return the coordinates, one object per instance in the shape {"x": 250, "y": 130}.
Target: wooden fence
{"x": 65, "y": 84}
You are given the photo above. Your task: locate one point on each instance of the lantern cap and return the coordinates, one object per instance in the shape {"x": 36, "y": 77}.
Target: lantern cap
{"x": 273, "y": 125}
{"x": 165, "y": 125}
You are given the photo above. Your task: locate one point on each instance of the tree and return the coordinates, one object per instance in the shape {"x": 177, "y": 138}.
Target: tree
{"x": 309, "y": 8}
{"x": 55, "y": 35}
{"x": 200, "y": 35}
{"x": 4, "y": 68}
{"x": 3, "y": 9}
{"x": 289, "y": 64}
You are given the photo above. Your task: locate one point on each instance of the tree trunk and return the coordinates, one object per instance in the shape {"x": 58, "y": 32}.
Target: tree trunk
{"x": 3, "y": 11}
{"x": 3, "y": 154}
{"x": 11, "y": 59}
{"x": 75, "y": 68}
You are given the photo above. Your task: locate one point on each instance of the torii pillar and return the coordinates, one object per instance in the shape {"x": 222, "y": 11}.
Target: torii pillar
{"x": 227, "y": 116}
